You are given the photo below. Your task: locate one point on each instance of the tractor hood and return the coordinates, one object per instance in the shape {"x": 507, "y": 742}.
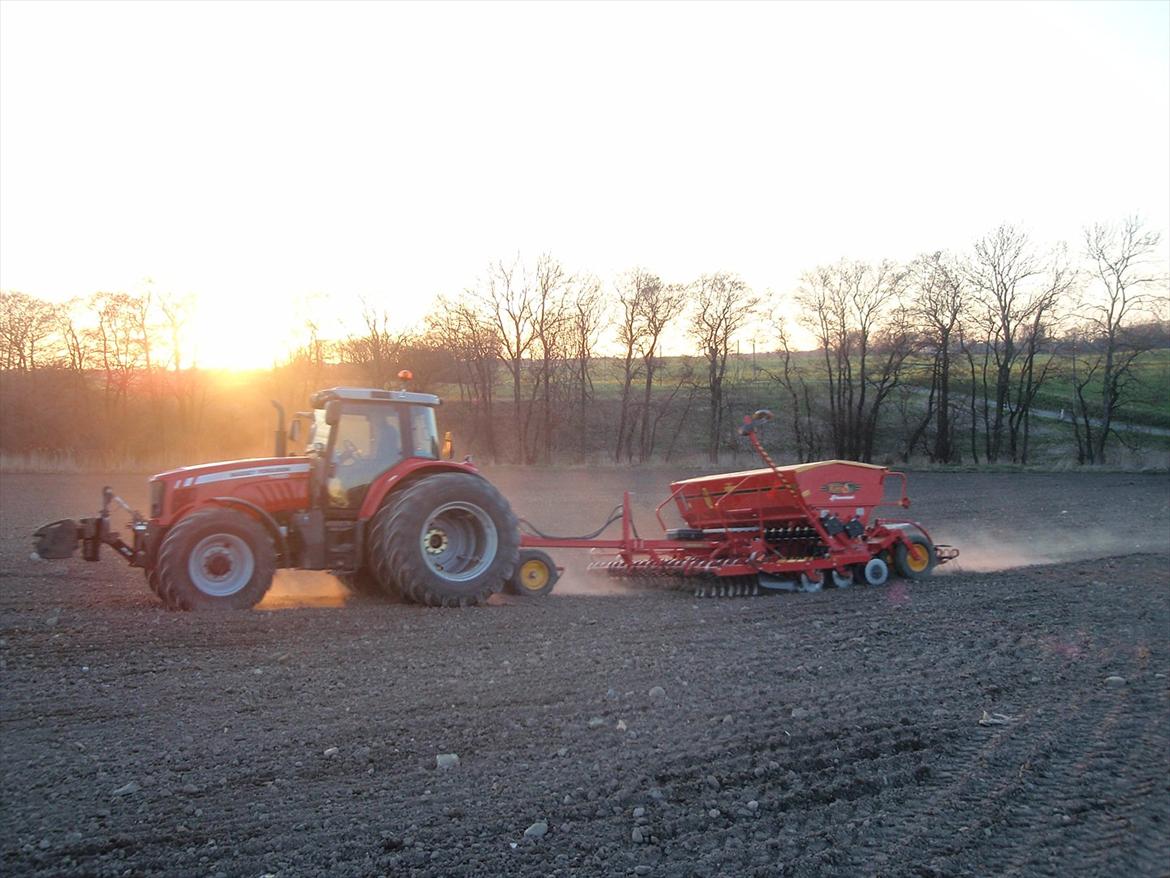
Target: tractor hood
{"x": 274, "y": 484}
{"x": 231, "y": 470}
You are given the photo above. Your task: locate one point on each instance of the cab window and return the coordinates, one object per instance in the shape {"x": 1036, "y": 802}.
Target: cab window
{"x": 424, "y": 432}
{"x": 367, "y": 441}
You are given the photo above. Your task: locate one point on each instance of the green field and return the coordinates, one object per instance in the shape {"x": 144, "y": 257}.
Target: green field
{"x": 1148, "y": 398}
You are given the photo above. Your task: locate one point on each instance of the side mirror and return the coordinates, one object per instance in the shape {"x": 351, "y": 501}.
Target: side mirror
{"x": 448, "y": 446}
{"x": 294, "y": 431}
{"x": 333, "y": 412}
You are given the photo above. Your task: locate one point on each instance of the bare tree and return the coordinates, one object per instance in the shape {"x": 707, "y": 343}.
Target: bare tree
{"x": 587, "y": 319}
{"x": 1002, "y": 265}
{"x": 660, "y": 306}
{"x": 550, "y": 317}
{"x": 471, "y": 336}
{"x": 940, "y": 298}
{"x": 376, "y": 350}
{"x": 722, "y": 305}
{"x": 854, "y": 310}
{"x": 1011, "y": 308}
{"x": 509, "y": 302}
{"x": 1038, "y": 348}
{"x": 73, "y": 338}
{"x": 805, "y": 432}
{"x": 26, "y": 325}
{"x": 1016, "y": 301}
{"x": 633, "y": 288}
{"x": 1128, "y": 289}
{"x": 118, "y": 344}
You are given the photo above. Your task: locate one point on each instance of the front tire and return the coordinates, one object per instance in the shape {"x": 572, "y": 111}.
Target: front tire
{"x": 447, "y": 540}
{"x": 215, "y": 559}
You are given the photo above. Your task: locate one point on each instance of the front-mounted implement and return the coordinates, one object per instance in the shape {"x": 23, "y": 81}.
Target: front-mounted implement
{"x": 780, "y": 528}
{"x": 60, "y": 539}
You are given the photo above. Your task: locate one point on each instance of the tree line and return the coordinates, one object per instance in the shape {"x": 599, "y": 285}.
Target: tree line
{"x": 944, "y": 356}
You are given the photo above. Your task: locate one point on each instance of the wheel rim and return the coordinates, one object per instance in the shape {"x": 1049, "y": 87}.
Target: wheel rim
{"x": 876, "y": 572}
{"x": 917, "y": 558}
{"x": 534, "y": 574}
{"x": 221, "y": 565}
{"x": 458, "y": 541}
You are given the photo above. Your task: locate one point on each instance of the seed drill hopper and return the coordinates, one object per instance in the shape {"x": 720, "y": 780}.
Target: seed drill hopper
{"x": 780, "y": 528}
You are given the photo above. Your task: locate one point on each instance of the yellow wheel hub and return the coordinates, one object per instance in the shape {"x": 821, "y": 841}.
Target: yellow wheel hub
{"x": 534, "y": 574}
{"x": 917, "y": 558}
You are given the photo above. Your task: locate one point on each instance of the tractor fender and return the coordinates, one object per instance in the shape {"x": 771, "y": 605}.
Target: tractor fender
{"x": 410, "y": 470}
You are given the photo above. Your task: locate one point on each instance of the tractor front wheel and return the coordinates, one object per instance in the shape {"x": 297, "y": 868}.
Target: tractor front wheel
{"x": 447, "y": 540}
{"x": 916, "y": 560}
{"x": 215, "y": 559}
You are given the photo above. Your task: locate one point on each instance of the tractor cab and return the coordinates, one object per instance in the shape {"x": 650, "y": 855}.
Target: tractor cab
{"x": 361, "y": 442}
{"x": 358, "y": 434}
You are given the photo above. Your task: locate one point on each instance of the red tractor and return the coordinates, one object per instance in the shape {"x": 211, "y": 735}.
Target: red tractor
{"x": 373, "y": 499}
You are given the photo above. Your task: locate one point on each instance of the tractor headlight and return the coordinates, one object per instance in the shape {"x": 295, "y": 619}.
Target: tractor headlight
{"x": 157, "y": 491}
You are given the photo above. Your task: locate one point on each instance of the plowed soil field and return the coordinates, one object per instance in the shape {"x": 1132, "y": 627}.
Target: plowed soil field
{"x": 1000, "y": 719}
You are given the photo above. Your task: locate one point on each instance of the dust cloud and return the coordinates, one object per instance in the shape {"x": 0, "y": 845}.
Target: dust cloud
{"x": 294, "y": 589}
{"x": 577, "y": 580}
{"x": 986, "y": 552}
{"x": 981, "y": 552}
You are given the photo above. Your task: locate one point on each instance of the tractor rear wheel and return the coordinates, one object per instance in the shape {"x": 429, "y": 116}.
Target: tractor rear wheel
{"x": 215, "y": 559}
{"x": 917, "y": 560}
{"x": 535, "y": 575}
{"x": 447, "y": 540}
{"x": 381, "y": 577}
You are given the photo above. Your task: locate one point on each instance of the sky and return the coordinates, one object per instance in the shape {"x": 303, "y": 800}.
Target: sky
{"x": 284, "y": 160}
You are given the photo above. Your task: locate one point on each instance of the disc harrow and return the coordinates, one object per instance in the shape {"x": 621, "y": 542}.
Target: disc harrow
{"x": 793, "y": 528}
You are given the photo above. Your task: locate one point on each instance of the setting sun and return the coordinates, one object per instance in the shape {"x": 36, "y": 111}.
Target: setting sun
{"x": 242, "y": 334}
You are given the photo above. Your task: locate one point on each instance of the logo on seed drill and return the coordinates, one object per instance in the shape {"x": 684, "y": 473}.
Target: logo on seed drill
{"x": 837, "y": 488}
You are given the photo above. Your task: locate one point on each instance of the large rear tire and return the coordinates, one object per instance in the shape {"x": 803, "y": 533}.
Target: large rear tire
{"x": 215, "y": 559}
{"x": 447, "y": 540}
{"x": 385, "y": 583}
